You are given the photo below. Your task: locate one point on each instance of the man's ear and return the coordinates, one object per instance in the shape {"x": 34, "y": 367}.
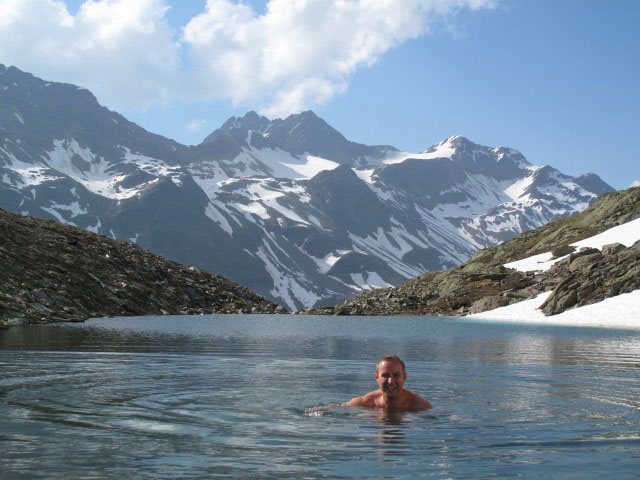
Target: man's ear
{"x": 376, "y": 375}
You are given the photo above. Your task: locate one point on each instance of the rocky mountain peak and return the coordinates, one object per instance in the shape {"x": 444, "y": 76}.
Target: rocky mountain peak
{"x": 445, "y": 147}
{"x": 15, "y": 73}
{"x": 454, "y": 145}
{"x": 464, "y": 146}
{"x": 306, "y": 132}
{"x": 44, "y": 120}
{"x": 239, "y": 132}
{"x": 12, "y": 78}
{"x": 480, "y": 159}
{"x": 299, "y": 134}
{"x": 460, "y": 143}
{"x": 593, "y": 183}
{"x": 251, "y": 121}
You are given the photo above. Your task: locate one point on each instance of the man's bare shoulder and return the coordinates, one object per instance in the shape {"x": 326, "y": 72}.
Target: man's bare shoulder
{"x": 417, "y": 402}
{"x": 368, "y": 400}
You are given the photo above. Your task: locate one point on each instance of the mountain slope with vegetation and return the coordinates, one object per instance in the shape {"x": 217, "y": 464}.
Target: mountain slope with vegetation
{"x": 53, "y": 272}
{"x": 484, "y": 283}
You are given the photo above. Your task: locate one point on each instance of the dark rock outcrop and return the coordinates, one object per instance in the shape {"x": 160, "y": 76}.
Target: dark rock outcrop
{"x": 594, "y": 276}
{"x": 51, "y": 272}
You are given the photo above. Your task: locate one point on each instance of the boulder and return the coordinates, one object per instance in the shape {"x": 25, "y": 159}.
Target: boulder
{"x": 559, "y": 301}
{"x": 613, "y": 248}
{"x": 490, "y": 303}
{"x": 562, "y": 251}
{"x": 584, "y": 261}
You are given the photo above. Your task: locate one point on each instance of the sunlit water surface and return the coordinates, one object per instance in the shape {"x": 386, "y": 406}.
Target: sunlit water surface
{"x": 224, "y": 397}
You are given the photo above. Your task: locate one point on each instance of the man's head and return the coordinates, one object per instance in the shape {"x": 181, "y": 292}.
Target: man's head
{"x": 390, "y": 358}
{"x": 390, "y": 375}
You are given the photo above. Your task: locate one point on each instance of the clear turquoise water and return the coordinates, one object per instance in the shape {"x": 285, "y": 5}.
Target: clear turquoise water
{"x": 224, "y": 396}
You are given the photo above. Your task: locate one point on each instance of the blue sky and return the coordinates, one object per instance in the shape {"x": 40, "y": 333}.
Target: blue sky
{"x": 557, "y": 80}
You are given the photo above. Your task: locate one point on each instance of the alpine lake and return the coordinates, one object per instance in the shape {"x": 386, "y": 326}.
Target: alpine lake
{"x": 182, "y": 397}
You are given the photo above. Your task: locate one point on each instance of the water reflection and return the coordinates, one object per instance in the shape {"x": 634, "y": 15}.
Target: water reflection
{"x": 394, "y": 439}
{"x": 417, "y": 338}
{"x": 391, "y": 417}
{"x": 223, "y": 396}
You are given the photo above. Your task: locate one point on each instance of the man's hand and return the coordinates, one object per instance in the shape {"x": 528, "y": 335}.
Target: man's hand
{"x": 323, "y": 407}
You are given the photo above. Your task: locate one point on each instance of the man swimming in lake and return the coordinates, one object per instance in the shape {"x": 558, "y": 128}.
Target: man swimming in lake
{"x": 390, "y": 376}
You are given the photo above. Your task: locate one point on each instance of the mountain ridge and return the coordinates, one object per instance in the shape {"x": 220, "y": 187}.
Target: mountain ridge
{"x": 484, "y": 282}
{"x": 248, "y": 205}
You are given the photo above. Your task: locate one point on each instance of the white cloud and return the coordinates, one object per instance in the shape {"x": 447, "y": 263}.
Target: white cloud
{"x": 124, "y": 51}
{"x": 299, "y": 53}
{"x": 635, "y": 184}
{"x": 196, "y": 125}
{"x": 294, "y": 55}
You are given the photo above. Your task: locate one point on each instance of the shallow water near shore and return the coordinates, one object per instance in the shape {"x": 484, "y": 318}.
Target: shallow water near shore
{"x": 224, "y": 397}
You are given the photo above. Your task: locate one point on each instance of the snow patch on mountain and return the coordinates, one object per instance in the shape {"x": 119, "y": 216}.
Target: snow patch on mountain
{"x": 443, "y": 149}
{"x": 312, "y": 167}
{"x": 518, "y": 189}
{"x": 30, "y": 175}
{"x": 365, "y": 174}
{"x": 260, "y": 196}
{"x": 390, "y": 246}
{"x": 153, "y": 166}
{"x": 97, "y": 228}
{"x": 210, "y": 177}
{"x": 626, "y": 234}
{"x": 276, "y": 163}
{"x": 368, "y": 281}
{"x": 216, "y": 214}
{"x": 325, "y": 263}
{"x": 399, "y": 157}
{"x": 287, "y": 284}
{"x": 98, "y": 175}
{"x": 620, "y": 311}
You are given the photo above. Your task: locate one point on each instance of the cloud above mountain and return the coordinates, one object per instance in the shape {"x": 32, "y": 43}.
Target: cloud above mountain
{"x": 292, "y": 56}
{"x": 124, "y": 51}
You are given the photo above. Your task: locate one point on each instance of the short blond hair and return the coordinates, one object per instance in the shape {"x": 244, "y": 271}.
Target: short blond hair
{"x": 391, "y": 358}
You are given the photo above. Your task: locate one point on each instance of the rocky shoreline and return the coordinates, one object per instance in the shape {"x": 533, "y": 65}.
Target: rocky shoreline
{"x": 51, "y": 272}
{"x": 483, "y": 283}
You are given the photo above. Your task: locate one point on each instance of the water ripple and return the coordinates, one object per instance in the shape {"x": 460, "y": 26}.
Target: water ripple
{"x": 225, "y": 398}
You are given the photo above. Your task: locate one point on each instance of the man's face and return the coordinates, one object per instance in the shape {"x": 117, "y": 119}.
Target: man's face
{"x": 390, "y": 377}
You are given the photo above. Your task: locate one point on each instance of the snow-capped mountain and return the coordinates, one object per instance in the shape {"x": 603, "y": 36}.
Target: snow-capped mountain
{"x": 289, "y": 208}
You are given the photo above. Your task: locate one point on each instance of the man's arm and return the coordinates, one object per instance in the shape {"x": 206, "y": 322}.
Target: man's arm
{"x": 354, "y": 402}
{"x": 368, "y": 400}
{"x": 351, "y": 403}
